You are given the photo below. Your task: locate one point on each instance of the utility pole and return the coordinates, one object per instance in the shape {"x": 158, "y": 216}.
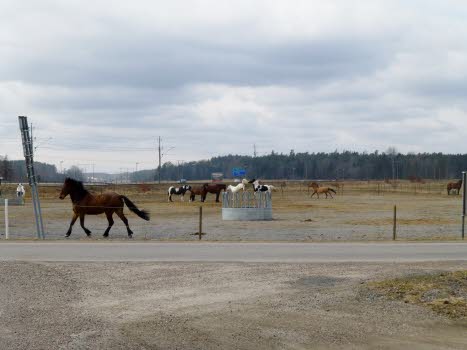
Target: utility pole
{"x": 28, "y": 150}
{"x": 160, "y": 159}
{"x": 160, "y": 149}
{"x": 254, "y": 150}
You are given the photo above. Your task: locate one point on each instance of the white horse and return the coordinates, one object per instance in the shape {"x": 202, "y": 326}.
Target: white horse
{"x": 235, "y": 189}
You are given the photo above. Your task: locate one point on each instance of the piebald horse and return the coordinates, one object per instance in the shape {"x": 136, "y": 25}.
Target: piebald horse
{"x": 179, "y": 191}
{"x": 106, "y": 203}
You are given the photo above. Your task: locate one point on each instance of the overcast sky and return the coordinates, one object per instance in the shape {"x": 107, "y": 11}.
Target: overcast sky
{"x": 100, "y": 80}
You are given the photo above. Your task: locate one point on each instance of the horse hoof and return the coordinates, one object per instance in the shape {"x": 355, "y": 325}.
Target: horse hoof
{"x": 130, "y": 236}
{"x": 105, "y": 235}
{"x": 67, "y": 235}
{"x": 88, "y": 234}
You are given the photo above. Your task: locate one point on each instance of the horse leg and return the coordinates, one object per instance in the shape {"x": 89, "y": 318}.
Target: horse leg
{"x": 125, "y": 221}
{"x": 111, "y": 222}
{"x": 169, "y": 199}
{"x": 217, "y": 196}
{"x": 81, "y": 222}
{"x": 331, "y": 195}
{"x": 73, "y": 220}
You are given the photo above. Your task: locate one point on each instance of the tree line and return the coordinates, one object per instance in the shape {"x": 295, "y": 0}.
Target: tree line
{"x": 335, "y": 165}
{"x": 293, "y": 166}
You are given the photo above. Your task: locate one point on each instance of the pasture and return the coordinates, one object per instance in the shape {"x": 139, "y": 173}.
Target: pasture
{"x": 361, "y": 210}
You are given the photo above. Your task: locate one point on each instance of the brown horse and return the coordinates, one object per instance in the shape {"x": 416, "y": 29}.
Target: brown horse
{"x": 85, "y": 202}
{"x": 201, "y": 190}
{"x": 216, "y": 189}
{"x": 317, "y": 190}
{"x": 454, "y": 186}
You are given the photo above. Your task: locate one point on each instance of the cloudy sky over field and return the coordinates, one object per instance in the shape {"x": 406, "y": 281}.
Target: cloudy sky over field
{"x": 101, "y": 80}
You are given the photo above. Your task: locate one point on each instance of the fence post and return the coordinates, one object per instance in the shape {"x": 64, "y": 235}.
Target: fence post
{"x": 7, "y": 233}
{"x": 394, "y": 227}
{"x": 464, "y": 201}
{"x": 200, "y": 232}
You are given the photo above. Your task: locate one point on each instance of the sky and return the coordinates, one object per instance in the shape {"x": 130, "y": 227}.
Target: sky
{"x": 101, "y": 80}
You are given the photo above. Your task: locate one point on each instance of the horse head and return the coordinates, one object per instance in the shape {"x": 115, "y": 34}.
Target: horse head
{"x": 74, "y": 188}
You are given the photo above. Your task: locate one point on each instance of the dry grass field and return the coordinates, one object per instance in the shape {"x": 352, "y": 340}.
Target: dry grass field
{"x": 360, "y": 211}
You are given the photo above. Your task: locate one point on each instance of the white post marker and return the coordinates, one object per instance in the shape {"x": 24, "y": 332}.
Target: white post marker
{"x": 7, "y": 233}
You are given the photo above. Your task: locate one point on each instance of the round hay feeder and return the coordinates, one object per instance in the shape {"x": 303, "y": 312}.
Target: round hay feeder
{"x": 246, "y": 206}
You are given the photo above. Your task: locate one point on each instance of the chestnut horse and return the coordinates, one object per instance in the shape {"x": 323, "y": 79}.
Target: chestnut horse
{"x": 317, "y": 190}
{"x": 216, "y": 189}
{"x": 199, "y": 190}
{"x": 454, "y": 186}
{"x": 85, "y": 202}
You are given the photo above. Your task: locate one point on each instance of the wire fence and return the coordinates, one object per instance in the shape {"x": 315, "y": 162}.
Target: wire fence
{"x": 361, "y": 211}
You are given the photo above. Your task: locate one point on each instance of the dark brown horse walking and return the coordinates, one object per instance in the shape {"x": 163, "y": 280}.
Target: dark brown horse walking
{"x": 85, "y": 202}
{"x": 454, "y": 186}
{"x": 216, "y": 189}
{"x": 201, "y": 190}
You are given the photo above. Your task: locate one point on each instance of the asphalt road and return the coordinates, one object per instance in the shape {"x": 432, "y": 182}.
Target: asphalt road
{"x": 232, "y": 252}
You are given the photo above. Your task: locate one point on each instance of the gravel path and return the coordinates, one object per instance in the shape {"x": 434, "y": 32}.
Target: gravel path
{"x": 214, "y": 306}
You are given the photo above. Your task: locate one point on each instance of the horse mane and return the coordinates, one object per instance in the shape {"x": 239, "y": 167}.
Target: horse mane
{"x": 77, "y": 189}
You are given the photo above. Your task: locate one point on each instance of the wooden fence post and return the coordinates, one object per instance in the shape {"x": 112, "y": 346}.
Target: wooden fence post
{"x": 200, "y": 232}
{"x": 7, "y": 232}
{"x": 394, "y": 227}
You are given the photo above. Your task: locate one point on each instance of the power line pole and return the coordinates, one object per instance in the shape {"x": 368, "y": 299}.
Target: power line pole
{"x": 254, "y": 150}
{"x": 28, "y": 150}
{"x": 160, "y": 159}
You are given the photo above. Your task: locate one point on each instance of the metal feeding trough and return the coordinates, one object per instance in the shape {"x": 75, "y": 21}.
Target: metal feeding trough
{"x": 246, "y": 206}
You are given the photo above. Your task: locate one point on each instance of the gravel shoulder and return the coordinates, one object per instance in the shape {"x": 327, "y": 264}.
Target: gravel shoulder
{"x": 216, "y": 306}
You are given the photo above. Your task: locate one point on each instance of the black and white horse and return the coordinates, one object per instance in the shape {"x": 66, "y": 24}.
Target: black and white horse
{"x": 179, "y": 191}
{"x": 261, "y": 188}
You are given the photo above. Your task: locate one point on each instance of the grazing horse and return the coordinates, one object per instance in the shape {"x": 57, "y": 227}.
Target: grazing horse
{"x": 235, "y": 189}
{"x": 317, "y": 190}
{"x": 261, "y": 188}
{"x": 85, "y": 202}
{"x": 201, "y": 190}
{"x": 179, "y": 191}
{"x": 454, "y": 186}
{"x": 216, "y": 189}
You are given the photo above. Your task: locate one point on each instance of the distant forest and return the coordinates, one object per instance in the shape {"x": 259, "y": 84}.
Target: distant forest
{"x": 292, "y": 166}
{"x": 335, "y": 165}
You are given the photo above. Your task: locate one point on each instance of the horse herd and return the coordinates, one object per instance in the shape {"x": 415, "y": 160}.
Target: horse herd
{"x": 203, "y": 189}
{"x": 108, "y": 203}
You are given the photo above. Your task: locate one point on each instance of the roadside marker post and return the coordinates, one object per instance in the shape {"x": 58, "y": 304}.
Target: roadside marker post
{"x": 7, "y": 232}
{"x": 394, "y": 227}
{"x": 464, "y": 201}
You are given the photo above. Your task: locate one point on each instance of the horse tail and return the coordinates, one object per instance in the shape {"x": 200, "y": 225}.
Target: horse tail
{"x": 330, "y": 189}
{"x": 143, "y": 214}
{"x": 273, "y": 188}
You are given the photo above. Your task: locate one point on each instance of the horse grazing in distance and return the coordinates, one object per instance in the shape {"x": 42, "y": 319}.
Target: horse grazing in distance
{"x": 106, "y": 203}
{"x": 317, "y": 190}
{"x": 179, "y": 191}
{"x": 201, "y": 190}
{"x": 235, "y": 189}
{"x": 261, "y": 188}
{"x": 216, "y": 189}
{"x": 454, "y": 186}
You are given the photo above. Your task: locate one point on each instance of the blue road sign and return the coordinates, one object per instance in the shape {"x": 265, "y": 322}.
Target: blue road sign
{"x": 238, "y": 172}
